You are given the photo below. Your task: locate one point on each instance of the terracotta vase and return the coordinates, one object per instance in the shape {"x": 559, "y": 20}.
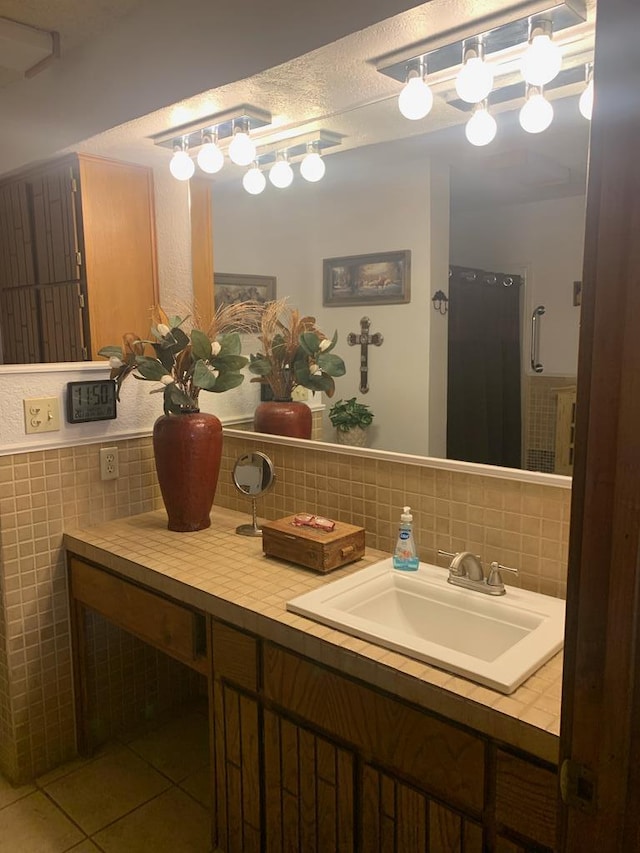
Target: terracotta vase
{"x": 283, "y": 417}
{"x": 187, "y": 452}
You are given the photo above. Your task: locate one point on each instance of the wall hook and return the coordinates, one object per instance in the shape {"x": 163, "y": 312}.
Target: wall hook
{"x": 440, "y": 302}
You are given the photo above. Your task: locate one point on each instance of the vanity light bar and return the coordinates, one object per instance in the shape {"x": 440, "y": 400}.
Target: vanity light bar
{"x": 495, "y": 40}
{"x": 517, "y": 91}
{"x": 297, "y": 146}
{"x": 223, "y": 122}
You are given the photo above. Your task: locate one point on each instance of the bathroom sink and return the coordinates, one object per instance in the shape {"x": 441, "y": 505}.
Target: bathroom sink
{"x": 496, "y": 641}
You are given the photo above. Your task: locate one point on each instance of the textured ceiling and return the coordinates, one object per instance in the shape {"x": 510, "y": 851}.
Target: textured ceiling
{"x": 338, "y": 88}
{"x": 76, "y": 21}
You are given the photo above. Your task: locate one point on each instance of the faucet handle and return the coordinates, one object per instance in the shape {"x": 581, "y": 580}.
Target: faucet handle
{"x": 495, "y": 578}
{"x": 447, "y": 553}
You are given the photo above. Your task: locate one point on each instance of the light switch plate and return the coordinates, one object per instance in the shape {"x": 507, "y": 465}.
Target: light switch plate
{"x": 41, "y": 414}
{"x": 300, "y": 394}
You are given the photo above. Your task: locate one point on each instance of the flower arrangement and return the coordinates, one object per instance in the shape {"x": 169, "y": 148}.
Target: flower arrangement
{"x": 185, "y": 360}
{"x": 294, "y": 352}
{"x": 347, "y": 414}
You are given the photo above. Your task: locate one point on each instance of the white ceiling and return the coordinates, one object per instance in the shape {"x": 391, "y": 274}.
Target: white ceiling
{"x": 338, "y": 88}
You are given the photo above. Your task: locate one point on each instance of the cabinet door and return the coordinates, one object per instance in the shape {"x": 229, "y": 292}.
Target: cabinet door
{"x": 396, "y": 818}
{"x": 54, "y": 216}
{"x": 20, "y": 332}
{"x": 237, "y": 769}
{"x": 16, "y": 238}
{"x": 309, "y": 790}
{"x": 62, "y": 336}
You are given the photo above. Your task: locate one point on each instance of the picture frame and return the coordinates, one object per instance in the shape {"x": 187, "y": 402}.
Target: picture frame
{"x": 229, "y": 288}
{"x": 383, "y": 278}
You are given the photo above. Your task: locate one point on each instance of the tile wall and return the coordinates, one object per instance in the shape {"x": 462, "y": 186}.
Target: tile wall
{"x": 541, "y": 405}
{"x": 43, "y": 493}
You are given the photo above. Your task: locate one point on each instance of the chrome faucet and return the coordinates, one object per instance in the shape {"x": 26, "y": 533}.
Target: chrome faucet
{"x": 466, "y": 570}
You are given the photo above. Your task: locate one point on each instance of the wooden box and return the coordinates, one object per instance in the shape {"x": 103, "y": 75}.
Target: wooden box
{"x": 319, "y": 550}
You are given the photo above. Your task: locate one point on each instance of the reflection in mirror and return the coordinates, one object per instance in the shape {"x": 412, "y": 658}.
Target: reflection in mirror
{"x": 514, "y": 207}
{"x": 253, "y": 475}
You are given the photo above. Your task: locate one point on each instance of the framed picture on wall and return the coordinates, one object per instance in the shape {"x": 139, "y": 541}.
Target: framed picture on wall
{"x": 229, "y": 288}
{"x": 378, "y": 279}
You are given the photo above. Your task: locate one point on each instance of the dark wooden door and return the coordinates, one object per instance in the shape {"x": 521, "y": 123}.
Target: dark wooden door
{"x": 600, "y": 735}
{"x": 54, "y": 215}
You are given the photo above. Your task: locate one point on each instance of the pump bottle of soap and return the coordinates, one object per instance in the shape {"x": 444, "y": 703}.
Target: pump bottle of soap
{"x": 405, "y": 556}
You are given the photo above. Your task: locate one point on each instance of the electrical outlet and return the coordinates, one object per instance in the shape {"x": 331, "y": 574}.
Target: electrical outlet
{"x": 109, "y": 469}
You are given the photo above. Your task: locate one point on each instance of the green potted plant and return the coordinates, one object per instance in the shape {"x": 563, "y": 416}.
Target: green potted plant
{"x": 183, "y": 361}
{"x": 351, "y": 420}
{"x": 295, "y": 352}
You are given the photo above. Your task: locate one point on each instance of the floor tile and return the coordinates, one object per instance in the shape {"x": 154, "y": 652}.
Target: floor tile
{"x": 86, "y": 846}
{"x": 34, "y": 825}
{"x": 179, "y": 748}
{"x": 170, "y": 823}
{"x": 76, "y": 764}
{"x": 9, "y": 794}
{"x": 106, "y": 789}
{"x": 199, "y": 786}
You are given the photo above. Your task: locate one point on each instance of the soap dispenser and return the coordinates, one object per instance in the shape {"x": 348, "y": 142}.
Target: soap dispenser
{"x": 405, "y": 556}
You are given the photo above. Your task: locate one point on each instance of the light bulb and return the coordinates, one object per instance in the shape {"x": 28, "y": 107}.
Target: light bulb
{"x": 181, "y": 166}
{"x": 541, "y": 61}
{"x": 254, "y": 181}
{"x": 312, "y": 167}
{"x": 416, "y": 99}
{"x": 536, "y": 114}
{"x": 210, "y": 158}
{"x": 242, "y": 149}
{"x": 474, "y": 80}
{"x": 281, "y": 174}
{"x": 585, "y": 104}
{"x": 481, "y": 127}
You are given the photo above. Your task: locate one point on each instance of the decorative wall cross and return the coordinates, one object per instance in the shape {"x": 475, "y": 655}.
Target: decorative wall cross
{"x": 364, "y": 339}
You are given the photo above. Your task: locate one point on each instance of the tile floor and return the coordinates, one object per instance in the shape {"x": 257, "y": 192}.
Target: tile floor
{"x": 146, "y": 792}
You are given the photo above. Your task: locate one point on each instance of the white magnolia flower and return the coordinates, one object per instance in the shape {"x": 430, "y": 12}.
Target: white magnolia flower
{"x": 114, "y": 361}
{"x": 215, "y": 348}
{"x": 167, "y": 379}
{"x": 315, "y": 369}
{"x": 325, "y": 343}
{"x": 163, "y": 329}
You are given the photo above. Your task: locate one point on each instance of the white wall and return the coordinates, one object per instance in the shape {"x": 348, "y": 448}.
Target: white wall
{"x": 368, "y": 202}
{"x": 545, "y": 238}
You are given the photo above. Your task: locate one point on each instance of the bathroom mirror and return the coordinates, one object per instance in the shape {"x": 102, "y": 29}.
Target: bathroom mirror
{"x": 430, "y": 172}
{"x": 253, "y": 475}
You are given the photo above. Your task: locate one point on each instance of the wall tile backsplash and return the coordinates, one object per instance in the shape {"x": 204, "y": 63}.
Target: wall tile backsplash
{"x": 42, "y": 493}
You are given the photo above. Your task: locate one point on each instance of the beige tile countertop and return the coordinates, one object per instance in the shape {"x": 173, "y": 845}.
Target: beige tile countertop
{"x": 229, "y": 577}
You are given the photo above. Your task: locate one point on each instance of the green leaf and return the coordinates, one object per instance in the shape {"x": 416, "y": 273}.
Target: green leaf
{"x": 230, "y": 362}
{"x": 226, "y": 381}
{"x": 331, "y": 364}
{"x": 230, "y": 344}
{"x": 203, "y": 377}
{"x": 110, "y": 352}
{"x": 150, "y": 368}
{"x": 321, "y": 382}
{"x": 310, "y": 343}
{"x": 200, "y": 345}
{"x": 259, "y": 365}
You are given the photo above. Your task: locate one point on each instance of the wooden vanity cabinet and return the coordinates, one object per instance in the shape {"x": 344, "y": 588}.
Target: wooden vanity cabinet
{"x": 77, "y": 258}
{"x": 308, "y": 759}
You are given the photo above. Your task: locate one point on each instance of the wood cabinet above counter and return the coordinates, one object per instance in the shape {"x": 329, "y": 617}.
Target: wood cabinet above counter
{"x": 77, "y": 258}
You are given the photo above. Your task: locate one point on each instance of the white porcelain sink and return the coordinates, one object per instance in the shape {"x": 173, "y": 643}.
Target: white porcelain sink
{"x": 496, "y": 641}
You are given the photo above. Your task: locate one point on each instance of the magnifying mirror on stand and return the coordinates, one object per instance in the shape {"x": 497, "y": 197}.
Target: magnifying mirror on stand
{"x": 253, "y": 475}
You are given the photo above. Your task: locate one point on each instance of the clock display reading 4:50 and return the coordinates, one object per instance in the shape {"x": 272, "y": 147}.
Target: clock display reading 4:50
{"x": 94, "y": 400}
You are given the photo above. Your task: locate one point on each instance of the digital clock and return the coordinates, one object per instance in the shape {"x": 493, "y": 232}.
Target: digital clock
{"x": 94, "y": 400}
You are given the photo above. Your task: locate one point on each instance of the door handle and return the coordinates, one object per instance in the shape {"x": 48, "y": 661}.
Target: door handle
{"x": 536, "y": 366}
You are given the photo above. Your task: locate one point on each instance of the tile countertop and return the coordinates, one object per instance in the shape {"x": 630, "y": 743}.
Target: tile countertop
{"x": 228, "y": 576}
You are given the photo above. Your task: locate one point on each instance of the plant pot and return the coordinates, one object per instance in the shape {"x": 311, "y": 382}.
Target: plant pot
{"x": 187, "y": 452}
{"x": 356, "y": 436}
{"x": 283, "y": 417}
